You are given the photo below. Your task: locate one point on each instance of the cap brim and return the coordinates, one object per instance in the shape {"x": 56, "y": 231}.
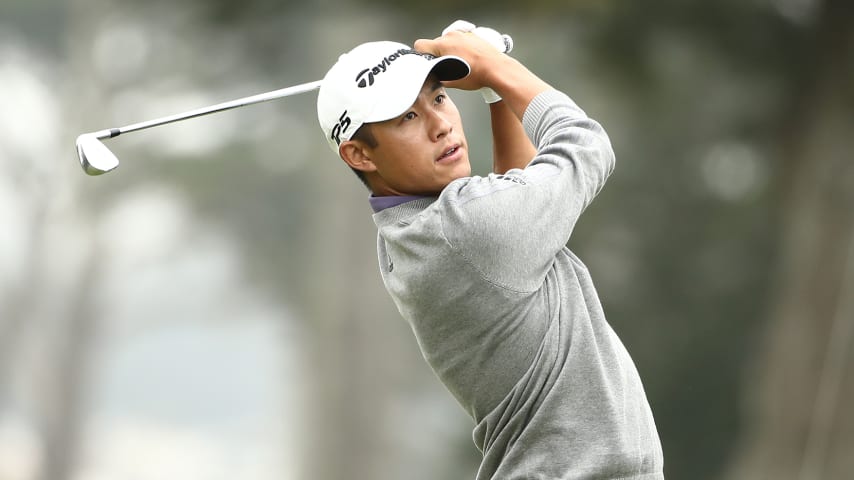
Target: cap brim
{"x": 450, "y": 67}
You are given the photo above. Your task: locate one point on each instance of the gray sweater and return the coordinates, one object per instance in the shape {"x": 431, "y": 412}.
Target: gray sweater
{"x": 508, "y": 317}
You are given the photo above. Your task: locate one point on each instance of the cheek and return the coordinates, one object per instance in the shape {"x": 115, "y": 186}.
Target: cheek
{"x": 399, "y": 160}
{"x": 454, "y": 114}
{"x": 459, "y": 129}
{"x": 406, "y": 152}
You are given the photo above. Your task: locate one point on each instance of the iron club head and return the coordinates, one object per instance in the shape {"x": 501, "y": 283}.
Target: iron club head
{"x": 95, "y": 157}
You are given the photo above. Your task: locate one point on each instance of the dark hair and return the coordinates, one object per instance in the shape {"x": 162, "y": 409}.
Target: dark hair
{"x": 366, "y": 136}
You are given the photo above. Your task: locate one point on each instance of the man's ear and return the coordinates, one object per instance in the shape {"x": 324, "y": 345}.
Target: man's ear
{"x": 356, "y": 156}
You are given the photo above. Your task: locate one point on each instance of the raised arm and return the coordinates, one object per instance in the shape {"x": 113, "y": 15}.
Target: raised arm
{"x": 511, "y": 147}
{"x": 489, "y": 68}
{"x": 532, "y": 212}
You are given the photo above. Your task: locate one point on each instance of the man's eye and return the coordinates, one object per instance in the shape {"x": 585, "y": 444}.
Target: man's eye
{"x": 440, "y": 99}
{"x": 409, "y": 116}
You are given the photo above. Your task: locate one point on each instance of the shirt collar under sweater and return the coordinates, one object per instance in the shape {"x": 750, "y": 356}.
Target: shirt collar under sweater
{"x": 381, "y": 203}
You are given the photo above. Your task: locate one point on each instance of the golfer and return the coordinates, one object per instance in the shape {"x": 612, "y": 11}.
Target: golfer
{"x": 504, "y": 313}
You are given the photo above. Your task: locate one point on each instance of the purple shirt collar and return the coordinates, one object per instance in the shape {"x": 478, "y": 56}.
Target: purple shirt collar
{"x": 381, "y": 203}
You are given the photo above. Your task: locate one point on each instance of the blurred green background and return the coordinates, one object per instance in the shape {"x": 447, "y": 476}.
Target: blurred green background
{"x": 212, "y": 309}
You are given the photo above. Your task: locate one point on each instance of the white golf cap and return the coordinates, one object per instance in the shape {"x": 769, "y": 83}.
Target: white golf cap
{"x": 376, "y": 81}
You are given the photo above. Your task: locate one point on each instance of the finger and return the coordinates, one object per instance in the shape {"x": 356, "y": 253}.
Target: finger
{"x": 427, "y": 46}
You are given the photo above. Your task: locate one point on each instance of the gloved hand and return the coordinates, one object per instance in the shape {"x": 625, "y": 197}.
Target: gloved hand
{"x": 502, "y": 43}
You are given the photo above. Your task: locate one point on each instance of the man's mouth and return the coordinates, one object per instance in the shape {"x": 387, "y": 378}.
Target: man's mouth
{"x": 449, "y": 153}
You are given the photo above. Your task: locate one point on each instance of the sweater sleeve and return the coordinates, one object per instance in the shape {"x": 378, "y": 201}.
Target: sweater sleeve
{"x": 511, "y": 226}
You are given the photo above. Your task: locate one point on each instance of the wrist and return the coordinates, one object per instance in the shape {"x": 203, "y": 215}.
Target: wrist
{"x": 514, "y": 83}
{"x": 497, "y": 72}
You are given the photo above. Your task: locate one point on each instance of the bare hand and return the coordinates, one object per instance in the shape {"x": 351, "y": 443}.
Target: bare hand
{"x": 480, "y": 55}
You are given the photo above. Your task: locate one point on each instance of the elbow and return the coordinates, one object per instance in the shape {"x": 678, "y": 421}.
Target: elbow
{"x": 609, "y": 159}
{"x": 601, "y": 151}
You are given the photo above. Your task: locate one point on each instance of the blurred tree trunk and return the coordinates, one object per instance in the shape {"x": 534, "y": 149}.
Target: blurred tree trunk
{"x": 345, "y": 389}
{"x": 17, "y": 304}
{"x": 63, "y": 346}
{"x": 63, "y": 389}
{"x": 804, "y": 377}
{"x": 67, "y": 329}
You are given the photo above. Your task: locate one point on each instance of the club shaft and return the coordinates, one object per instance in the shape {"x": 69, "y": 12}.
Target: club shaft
{"x": 240, "y": 102}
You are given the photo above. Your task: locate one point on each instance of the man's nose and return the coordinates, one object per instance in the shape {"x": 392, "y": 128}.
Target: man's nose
{"x": 439, "y": 126}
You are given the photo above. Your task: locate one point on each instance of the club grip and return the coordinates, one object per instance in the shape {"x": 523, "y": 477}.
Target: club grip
{"x": 502, "y": 42}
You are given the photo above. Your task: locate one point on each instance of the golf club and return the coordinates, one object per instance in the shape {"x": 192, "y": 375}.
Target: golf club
{"x": 97, "y": 159}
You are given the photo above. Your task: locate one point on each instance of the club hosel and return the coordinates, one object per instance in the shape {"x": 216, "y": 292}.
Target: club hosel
{"x": 105, "y": 134}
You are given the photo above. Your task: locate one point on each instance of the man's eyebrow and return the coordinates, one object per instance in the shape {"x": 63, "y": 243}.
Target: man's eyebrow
{"x": 436, "y": 85}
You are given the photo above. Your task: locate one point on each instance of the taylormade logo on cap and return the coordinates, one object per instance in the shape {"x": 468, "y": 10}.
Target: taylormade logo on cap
{"x": 366, "y": 76}
{"x": 374, "y": 82}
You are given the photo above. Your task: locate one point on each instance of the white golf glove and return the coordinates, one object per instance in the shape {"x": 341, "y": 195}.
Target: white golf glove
{"x": 502, "y": 43}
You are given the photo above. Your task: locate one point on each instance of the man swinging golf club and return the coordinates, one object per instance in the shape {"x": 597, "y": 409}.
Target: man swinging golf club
{"x": 505, "y": 314}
